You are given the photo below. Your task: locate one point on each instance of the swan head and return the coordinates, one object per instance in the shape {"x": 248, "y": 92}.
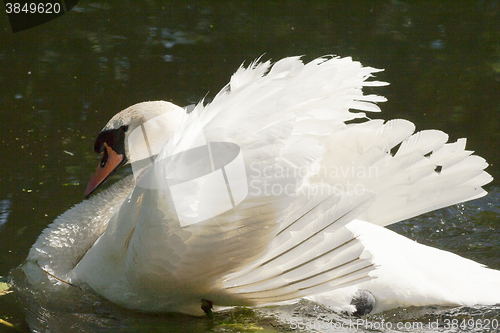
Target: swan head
{"x": 118, "y": 146}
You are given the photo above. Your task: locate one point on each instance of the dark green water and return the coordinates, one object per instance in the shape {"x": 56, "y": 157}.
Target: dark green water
{"x": 62, "y": 81}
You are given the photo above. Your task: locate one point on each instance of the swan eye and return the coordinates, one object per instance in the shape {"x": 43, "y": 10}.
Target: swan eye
{"x": 104, "y": 158}
{"x": 124, "y": 128}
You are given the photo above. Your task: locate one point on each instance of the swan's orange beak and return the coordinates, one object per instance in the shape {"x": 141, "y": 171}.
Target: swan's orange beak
{"x": 110, "y": 161}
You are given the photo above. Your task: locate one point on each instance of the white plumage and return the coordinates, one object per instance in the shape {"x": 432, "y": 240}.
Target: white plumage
{"x": 412, "y": 274}
{"x": 312, "y": 176}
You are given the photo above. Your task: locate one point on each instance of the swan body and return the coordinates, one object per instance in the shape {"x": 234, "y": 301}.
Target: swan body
{"x": 268, "y": 194}
{"x": 412, "y": 274}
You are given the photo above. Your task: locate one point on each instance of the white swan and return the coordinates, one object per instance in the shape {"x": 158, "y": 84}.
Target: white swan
{"x": 260, "y": 197}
